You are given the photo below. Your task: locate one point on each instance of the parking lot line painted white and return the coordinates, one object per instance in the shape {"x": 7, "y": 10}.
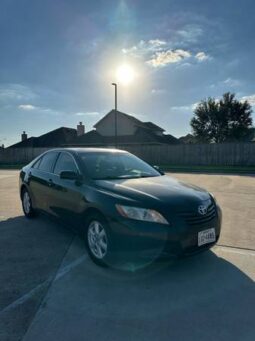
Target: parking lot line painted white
{"x": 65, "y": 270}
{"x": 68, "y": 268}
{"x": 54, "y": 278}
{"x": 25, "y": 297}
{"x": 232, "y": 249}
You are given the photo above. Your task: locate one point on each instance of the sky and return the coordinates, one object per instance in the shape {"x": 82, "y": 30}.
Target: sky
{"x": 58, "y": 60}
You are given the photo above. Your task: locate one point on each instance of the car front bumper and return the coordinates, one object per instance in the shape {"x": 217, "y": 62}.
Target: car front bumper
{"x": 173, "y": 240}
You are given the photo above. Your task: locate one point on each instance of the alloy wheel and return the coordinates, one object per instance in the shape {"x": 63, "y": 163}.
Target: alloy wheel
{"x": 97, "y": 239}
{"x": 26, "y": 202}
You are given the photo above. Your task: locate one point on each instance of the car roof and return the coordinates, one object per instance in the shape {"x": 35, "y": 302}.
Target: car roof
{"x": 89, "y": 150}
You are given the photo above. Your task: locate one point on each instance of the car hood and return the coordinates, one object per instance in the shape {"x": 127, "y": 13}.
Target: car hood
{"x": 153, "y": 191}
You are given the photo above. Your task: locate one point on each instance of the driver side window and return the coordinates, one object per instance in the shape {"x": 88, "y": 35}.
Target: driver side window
{"x": 65, "y": 163}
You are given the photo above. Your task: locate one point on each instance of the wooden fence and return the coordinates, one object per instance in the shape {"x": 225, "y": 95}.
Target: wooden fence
{"x": 229, "y": 154}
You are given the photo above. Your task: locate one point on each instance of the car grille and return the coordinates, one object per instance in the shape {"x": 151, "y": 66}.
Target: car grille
{"x": 194, "y": 218}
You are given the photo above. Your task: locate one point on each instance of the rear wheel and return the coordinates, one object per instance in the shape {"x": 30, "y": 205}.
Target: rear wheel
{"x": 98, "y": 240}
{"x": 27, "y": 204}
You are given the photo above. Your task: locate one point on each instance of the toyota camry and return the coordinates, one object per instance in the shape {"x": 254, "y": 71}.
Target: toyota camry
{"x": 120, "y": 203}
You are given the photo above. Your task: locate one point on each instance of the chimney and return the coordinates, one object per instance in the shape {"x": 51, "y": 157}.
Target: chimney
{"x": 80, "y": 129}
{"x": 23, "y": 136}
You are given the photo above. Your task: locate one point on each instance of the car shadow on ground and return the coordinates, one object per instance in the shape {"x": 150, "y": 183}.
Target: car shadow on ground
{"x": 31, "y": 251}
{"x": 196, "y": 298}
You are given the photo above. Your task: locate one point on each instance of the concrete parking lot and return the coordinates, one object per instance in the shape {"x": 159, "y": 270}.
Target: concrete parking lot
{"x": 50, "y": 290}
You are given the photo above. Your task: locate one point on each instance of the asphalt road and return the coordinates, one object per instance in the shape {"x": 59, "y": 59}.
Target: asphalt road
{"x": 50, "y": 290}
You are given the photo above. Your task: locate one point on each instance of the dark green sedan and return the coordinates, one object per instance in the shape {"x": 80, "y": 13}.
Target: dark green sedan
{"x": 119, "y": 203}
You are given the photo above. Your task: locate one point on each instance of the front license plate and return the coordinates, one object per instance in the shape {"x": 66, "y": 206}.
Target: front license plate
{"x": 206, "y": 236}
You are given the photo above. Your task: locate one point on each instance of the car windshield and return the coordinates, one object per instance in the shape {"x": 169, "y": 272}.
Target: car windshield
{"x": 102, "y": 166}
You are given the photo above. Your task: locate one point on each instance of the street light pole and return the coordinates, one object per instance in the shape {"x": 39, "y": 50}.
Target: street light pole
{"x": 115, "y": 113}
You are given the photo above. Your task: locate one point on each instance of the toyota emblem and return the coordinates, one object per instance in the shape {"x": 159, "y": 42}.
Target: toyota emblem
{"x": 202, "y": 209}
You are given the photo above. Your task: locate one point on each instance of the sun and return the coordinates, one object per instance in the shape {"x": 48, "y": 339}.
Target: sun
{"x": 125, "y": 74}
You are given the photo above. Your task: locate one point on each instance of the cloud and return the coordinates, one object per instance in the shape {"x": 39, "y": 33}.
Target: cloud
{"x": 158, "y": 91}
{"x": 43, "y": 110}
{"x": 163, "y": 58}
{"x": 16, "y": 92}
{"x": 181, "y": 108}
{"x": 232, "y": 82}
{"x": 158, "y": 53}
{"x": 144, "y": 48}
{"x": 229, "y": 82}
{"x": 27, "y": 107}
{"x": 190, "y": 107}
{"x": 250, "y": 99}
{"x": 202, "y": 56}
{"x": 89, "y": 113}
{"x": 50, "y": 111}
{"x": 156, "y": 44}
{"x": 184, "y": 65}
{"x": 190, "y": 33}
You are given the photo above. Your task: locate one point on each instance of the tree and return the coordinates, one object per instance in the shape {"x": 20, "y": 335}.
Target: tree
{"x": 220, "y": 121}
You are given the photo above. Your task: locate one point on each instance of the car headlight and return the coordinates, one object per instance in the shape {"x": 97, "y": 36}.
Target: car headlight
{"x": 138, "y": 213}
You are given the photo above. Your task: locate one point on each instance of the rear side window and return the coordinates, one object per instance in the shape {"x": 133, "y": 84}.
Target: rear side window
{"x": 47, "y": 162}
{"x": 65, "y": 162}
{"x": 37, "y": 163}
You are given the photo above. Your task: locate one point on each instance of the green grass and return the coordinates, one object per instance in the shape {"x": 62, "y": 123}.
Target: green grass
{"x": 209, "y": 169}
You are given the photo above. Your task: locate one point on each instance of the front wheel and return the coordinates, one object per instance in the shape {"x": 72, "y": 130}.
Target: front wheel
{"x": 99, "y": 241}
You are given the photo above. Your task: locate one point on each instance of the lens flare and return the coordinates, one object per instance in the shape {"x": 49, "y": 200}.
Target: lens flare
{"x": 125, "y": 74}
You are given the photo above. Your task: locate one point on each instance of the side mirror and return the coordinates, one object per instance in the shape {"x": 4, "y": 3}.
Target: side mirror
{"x": 69, "y": 175}
{"x": 159, "y": 170}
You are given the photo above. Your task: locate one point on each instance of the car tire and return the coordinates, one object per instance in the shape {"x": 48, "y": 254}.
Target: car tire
{"x": 99, "y": 240}
{"x": 27, "y": 207}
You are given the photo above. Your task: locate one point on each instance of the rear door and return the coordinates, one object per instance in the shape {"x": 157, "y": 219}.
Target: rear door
{"x": 66, "y": 199}
{"x": 40, "y": 181}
